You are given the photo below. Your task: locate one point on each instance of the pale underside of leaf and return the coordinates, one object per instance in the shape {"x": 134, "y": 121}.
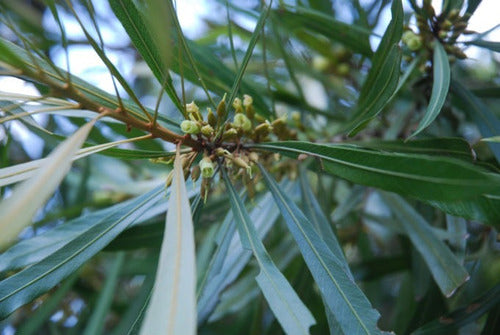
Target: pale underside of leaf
{"x": 172, "y": 309}
{"x": 17, "y": 211}
{"x": 290, "y": 311}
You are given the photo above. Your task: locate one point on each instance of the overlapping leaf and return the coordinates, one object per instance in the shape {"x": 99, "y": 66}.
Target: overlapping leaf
{"x": 447, "y": 271}
{"x": 440, "y": 87}
{"x": 342, "y": 296}
{"x": 421, "y": 176}
{"x": 290, "y": 311}
{"x": 172, "y": 307}
{"x": 17, "y": 211}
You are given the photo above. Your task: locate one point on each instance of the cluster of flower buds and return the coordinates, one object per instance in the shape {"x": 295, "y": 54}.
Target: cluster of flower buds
{"x": 223, "y": 141}
{"x": 337, "y": 62}
{"x": 446, "y": 28}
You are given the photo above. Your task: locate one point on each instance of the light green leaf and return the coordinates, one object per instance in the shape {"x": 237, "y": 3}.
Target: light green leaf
{"x": 172, "y": 308}
{"x": 446, "y": 270}
{"x": 342, "y": 296}
{"x": 37, "y": 279}
{"x": 440, "y": 87}
{"x": 17, "y": 211}
{"x": 490, "y": 45}
{"x": 421, "y": 176}
{"x": 292, "y": 314}
{"x": 491, "y": 139}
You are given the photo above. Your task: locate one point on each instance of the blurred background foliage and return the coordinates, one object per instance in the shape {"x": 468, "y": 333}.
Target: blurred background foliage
{"x": 311, "y": 63}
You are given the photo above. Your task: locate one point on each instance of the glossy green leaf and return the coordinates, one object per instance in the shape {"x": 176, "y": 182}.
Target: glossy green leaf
{"x": 385, "y": 82}
{"x": 383, "y": 77}
{"x": 37, "y": 279}
{"x": 342, "y": 296}
{"x": 143, "y": 39}
{"x": 172, "y": 308}
{"x": 482, "y": 208}
{"x": 446, "y": 270}
{"x": 290, "y": 311}
{"x": 421, "y": 176}
{"x": 443, "y": 146}
{"x": 17, "y": 211}
{"x": 440, "y": 87}
{"x": 352, "y": 36}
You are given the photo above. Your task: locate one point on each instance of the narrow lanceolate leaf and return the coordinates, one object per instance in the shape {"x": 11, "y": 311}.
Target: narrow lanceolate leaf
{"x": 342, "y": 296}
{"x": 290, "y": 311}
{"x": 493, "y": 46}
{"x": 17, "y": 211}
{"x": 172, "y": 308}
{"x": 37, "y": 279}
{"x": 440, "y": 87}
{"x": 19, "y": 172}
{"x": 447, "y": 271}
{"x": 421, "y": 176}
{"x": 383, "y": 77}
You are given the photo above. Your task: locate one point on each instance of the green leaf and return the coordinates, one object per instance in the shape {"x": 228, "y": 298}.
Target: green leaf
{"x": 446, "y": 270}
{"x": 342, "y": 296}
{"x": 421, "y": 176}
{"x": 19, "y": 172}
{"x": 383, "y": 77}
{"x": 381, "y": 89}
{"x": 143, "y": 39}
{"x": 172, "y": 308}
{"x": 248, "y": 54}
{"x": 450, "y": 323}
{"x": 95, "y": 324}
{"x": 485, "y": 119}
{"x": 483, "y": 208}
{"x": 442, "y": 146}
{"x": 230, "y": 257}
{"x": 354, "y": 37}
{"x": 292, "y": 314}
{"x": 17, "y": 211}
{"x": 35, "y": 280}
{"x": 440, "y": 87}
{"x": 490, "y": 45}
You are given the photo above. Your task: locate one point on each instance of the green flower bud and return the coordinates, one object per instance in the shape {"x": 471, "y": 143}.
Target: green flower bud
{"x": 192, "y": 108}
{"x": 207, "y": 168}
{"x": 211, "y": 118}
{"x": 413, "y": 41}
{"x": 238, "y": 105}
{"x": 247, "y": 100}
{"x": 221, "y": 107}
{"x": 242, "y": 121}
{"x": 190, "y": 127}
{"x": 442, "y": 35}
{"x": 207, "y": 130}
{"x": 229, "y": 134}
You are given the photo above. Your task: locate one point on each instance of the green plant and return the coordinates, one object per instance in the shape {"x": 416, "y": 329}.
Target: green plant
{"x": 367, "y": 213}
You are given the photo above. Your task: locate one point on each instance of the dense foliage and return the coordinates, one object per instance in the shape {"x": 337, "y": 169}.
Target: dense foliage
{"x": 290, "y": 170}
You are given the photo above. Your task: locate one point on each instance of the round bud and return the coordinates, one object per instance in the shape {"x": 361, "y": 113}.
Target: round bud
{"x": 190, "y": 127}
